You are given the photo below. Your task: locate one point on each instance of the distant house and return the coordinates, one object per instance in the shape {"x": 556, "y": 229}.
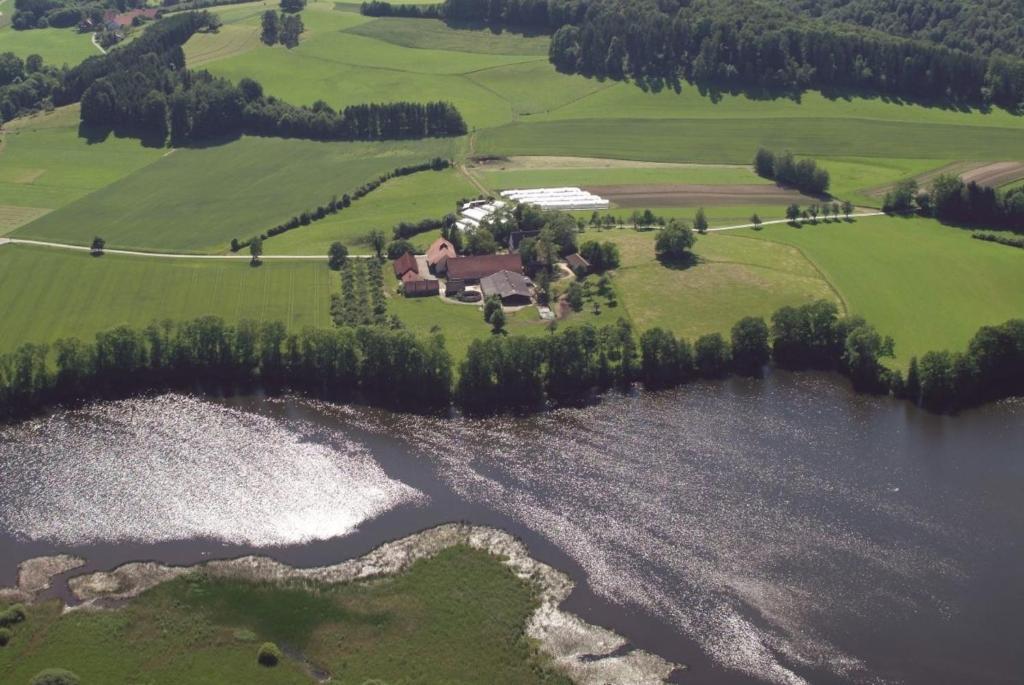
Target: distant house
{"x": 422, "y": 288}
{"x": 405, "y": 264}
{"x": 126, "y": 19}
{"x": 438, "y": 253}
{"x": 578, "y": 264}
{"x": 512, "y": 287}
{"x": 472, "y": 269}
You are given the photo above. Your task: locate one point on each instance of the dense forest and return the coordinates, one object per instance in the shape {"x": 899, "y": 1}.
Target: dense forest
{"x": 772, "y": 48}
{"x": 26, "y": 85}
{"x": 387, "y": 366}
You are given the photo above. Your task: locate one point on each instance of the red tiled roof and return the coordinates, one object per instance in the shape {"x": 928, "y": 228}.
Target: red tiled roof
{"x": 484, "y": 265}
{"x": 404, "y": 264}
{"x": 126, "y": 18}
{"x": 576, "y": 261}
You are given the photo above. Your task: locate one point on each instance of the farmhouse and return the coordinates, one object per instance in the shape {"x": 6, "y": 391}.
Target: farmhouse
{"x": 406, "y": 264}
{"x": 510, "y": 286}
{"x": 438, "y": 253}
{"x": 470, "y": 270}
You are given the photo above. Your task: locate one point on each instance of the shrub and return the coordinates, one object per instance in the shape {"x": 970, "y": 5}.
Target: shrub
{"x": 55, "y": 676}
{"x": 269, "y": 655}
{"x": 13, "y": 614}
{"x": 5, "y": 636}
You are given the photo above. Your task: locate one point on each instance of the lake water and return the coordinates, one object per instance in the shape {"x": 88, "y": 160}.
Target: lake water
{"x": 781, "y": 531}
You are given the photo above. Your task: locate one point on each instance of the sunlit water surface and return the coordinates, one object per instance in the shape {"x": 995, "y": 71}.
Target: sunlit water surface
{"x": 788, "y": 530}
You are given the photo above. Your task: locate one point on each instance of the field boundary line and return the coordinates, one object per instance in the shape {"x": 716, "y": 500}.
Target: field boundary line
{"x": 166, "y": 255}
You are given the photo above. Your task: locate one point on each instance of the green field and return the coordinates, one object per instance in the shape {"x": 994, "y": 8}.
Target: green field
{"x": 198, "y": 199}
{"x": 47, "y": 294}
{"x": 56, "y": 46}
{"x": 497, "y": 175}
{"x": 44, "y": 165}
{"x": 446, "y": 619}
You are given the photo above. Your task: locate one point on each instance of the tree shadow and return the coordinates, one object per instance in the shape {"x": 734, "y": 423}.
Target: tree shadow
{"x": 687, "y": 261}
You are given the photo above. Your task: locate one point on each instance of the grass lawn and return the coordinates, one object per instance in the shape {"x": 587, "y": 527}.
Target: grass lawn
{"x": 434, "y": 34}
{"x": 198, "y": 199}
{"x": 56, "y": 46}
{"x": 929, "y": 286}
{"x": 47, "y": 294}
{"x": 426, "y": 195}
{"x": 730, "y": 280}
{"x": 857, "y": 178}
{"x": 447, "y": 619}
{"x": 44, "y": 165}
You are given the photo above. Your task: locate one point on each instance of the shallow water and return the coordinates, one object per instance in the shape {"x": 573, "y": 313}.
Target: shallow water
{"x": 783, "y": 531}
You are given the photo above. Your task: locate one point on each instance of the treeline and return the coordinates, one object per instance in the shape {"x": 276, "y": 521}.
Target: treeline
{"x": 376, "y": 8}
{"x": 336, "y": 204}
{"x": 407, "y": 229}
{"x": 391, "y": 368}
{"x": 755, "y": 44}
{"x": 804, "y": 175}
{"x": 26, "y": 86}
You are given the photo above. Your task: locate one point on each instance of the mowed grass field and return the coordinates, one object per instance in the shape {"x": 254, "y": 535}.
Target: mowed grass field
{"x": 446, "y": 619}
{"x": 47, "y": 294}
{"x": 198, "y": 199}
{"x": 45, "y": 165}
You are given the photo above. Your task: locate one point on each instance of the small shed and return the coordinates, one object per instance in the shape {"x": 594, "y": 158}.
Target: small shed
{"x": 578, "y": 264}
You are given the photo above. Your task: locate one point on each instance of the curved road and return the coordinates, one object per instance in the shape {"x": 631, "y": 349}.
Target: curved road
{"x": 182, "y": 255}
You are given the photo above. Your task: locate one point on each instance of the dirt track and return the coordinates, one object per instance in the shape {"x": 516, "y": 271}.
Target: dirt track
{"x": 698, "y": 195}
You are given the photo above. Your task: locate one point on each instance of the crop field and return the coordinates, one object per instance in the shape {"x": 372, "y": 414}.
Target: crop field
{"x": 47, "y": 294}
{"x": 198, "y": 199}
{"x": 56, "y": 46}
{"x": 45, "y": 165}
{"x": 527, "y": 172}
{"x": 428, "y": 194}
{"x": 445, "y": 619}
{"x": 929, "y": 286}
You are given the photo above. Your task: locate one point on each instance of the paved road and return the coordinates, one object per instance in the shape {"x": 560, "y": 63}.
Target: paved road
{"x": 281, "y": 257}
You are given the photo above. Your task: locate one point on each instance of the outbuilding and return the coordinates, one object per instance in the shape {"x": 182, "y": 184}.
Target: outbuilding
{"x": 405, "y": 264}
{"x": 511, "y": 287}
{"x": 422, "y": 288}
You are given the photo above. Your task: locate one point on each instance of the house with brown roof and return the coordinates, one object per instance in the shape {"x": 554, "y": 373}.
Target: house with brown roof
{"x": 405, "y": 264}
{"x": 439, "y": 251}
{"x": 511, "y": 287}
{"x": 472, "y": 269}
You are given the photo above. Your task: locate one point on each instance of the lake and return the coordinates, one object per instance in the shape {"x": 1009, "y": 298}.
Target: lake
{"x": 780, "y": 531}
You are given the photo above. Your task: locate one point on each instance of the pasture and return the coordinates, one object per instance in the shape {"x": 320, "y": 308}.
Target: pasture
{"x": 929, "y": 286}
{"x": 56, "y": 46}
{"x": 428, "y": 194}
{"x": 446, "y": 619}
{"x": 47, "y": 294}
{"x": 198, "y": 199}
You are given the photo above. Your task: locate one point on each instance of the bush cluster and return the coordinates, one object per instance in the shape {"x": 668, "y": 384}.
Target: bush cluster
{"x": 805, "y": 175}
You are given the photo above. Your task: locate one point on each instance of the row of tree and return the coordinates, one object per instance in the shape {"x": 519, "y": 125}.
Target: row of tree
{"x": 783, "y": 168}
{"x": 336, "y": 204}
{"x": 376, "y": 8}
{"x": 382, "y": 366}
{"x": 952, "y": 200}
{"x": 391, "y": 367}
